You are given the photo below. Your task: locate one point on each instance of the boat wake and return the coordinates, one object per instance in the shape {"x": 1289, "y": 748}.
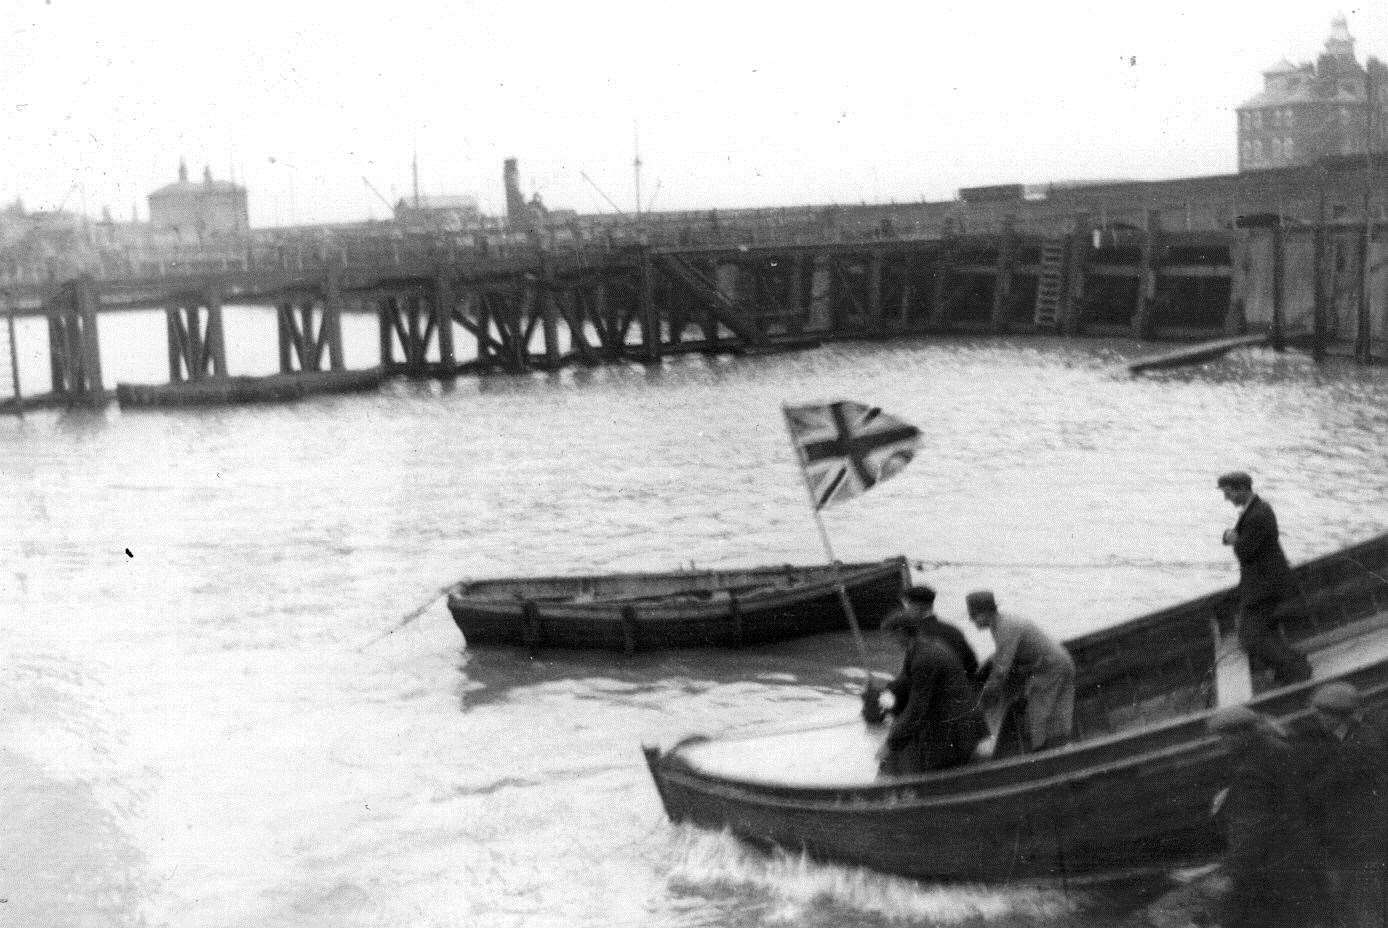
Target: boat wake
{"x": 785, "y": 889}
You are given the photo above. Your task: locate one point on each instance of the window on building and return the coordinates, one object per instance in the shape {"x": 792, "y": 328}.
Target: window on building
{"x": 1257, "y": 151}
{"x": 1247, "y": 151}
{"x": 1257, "y": 119}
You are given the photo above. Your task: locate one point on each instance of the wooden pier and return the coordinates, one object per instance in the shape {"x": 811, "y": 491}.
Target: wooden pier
{"x": 547, "y": 309}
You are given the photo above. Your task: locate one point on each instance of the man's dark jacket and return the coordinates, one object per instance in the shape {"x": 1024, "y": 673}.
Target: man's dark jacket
{"x": 1271, "y": 856}
{"x": 954, "y": 639}
{"x": 1264, "y": 573}
{"x": 936, "y": 722}
{"x": 1347, "y": 790}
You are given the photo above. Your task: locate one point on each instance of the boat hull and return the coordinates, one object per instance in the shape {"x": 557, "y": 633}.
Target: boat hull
{"x": 1132, "y": 796}
{"x": 808, "y": 604}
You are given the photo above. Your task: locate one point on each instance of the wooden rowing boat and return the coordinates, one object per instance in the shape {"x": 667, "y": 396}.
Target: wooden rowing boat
{"x": 679, "y": 609}
{"x": 1132, "y": 794}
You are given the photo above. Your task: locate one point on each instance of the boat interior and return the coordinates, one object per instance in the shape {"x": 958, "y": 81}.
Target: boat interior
{"x": 693, "y": 586}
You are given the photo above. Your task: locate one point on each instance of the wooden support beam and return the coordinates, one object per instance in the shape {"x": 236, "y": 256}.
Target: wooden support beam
{"x": 443, "y": 301}
{"x": 575, "y": 314}
{"x": 416, "y": 338}
{"x": 548, "y": 310}
{"x": 87, "y": 304}
{"x": 1279, "y": 271}
{"x": 57, "y": 338}
{"x": 216, "y": 344}
{"x": 17, "y": 389}
{"x": 795, "y": 297}
{"x": 650, "y": 318}
{"x": 517, "y": 336}
{"x": 286, "y": 336}
{"x": 1319, "y": 266}
{"x": 710, "y": 319}
{"x": 941, "y": 306}
{"x": 1078, "y": 248}
{"x": 603, "y": 322}
{"x": 1236, "y": 316}
{"x": 874, "y": 292}
{"x": 487, "y": 346}
{"x": 332, "y": 316}
{"x": 999, "y": 319}
{"x": 385, "y": 315}
{"x": 1145, "y": 304}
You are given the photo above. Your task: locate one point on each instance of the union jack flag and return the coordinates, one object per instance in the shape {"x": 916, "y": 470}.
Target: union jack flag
{"x": 847, "y": 448}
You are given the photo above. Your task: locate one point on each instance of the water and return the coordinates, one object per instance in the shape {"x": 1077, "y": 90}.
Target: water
{"x": 198, "y": 729}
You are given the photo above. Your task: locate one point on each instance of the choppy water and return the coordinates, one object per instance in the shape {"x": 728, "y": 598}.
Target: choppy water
{"x": 194, "y": 730}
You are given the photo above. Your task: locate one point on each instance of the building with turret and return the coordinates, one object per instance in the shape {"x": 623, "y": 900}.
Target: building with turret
{"x": 1310, "y": 111}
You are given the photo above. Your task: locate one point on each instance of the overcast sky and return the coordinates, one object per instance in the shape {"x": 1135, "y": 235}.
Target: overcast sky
{"x": 738, "y": 103}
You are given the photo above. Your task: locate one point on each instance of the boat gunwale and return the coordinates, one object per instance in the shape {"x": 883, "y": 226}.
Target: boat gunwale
{"x": 850, "y": 575}
{"x": 670, "y": 764}
{"x": 886, "y": 795}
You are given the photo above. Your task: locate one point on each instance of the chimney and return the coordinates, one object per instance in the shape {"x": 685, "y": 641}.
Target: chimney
{"x": 519, "y": 216}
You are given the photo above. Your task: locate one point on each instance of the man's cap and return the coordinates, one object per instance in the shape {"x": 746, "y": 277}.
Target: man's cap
{"x": 1233, "y": 720}
{"x": 922, "y": 595}
{"x": 1235, "y": 480}
{"x": 980, "y": 601}
{"x": 1339, "y": 698}
{"x": 906, "y": 620}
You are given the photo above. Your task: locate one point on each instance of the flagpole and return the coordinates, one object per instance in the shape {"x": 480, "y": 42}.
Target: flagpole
{"x": 828, "y": 548}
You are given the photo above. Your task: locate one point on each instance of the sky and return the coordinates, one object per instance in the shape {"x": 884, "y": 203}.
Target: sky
{"x": 752, "y": 103}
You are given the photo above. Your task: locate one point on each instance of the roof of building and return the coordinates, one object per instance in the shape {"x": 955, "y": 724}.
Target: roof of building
{"x": 1285, "y": 67}
{"x": 188, "y": 188}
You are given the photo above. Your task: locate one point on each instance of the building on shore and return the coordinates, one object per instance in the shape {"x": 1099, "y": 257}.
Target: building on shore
{"x": 211, "y": 212}
{"x": 1310, "y": 111}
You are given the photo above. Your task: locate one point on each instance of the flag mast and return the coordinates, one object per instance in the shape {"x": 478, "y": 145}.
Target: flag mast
{"x": 828, "y": 549}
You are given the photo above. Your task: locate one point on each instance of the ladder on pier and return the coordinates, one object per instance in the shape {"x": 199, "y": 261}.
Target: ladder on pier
{"x": 1050, "y": 283}
{"x": 10, "y": 398}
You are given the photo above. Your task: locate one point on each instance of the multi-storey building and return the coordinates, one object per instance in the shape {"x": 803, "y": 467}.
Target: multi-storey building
{"x": 1308, "y": 111}
{"x": 208, "y": 213}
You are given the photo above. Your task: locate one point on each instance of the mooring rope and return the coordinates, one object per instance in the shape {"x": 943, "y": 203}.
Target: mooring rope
{"x": 408, "y": 617}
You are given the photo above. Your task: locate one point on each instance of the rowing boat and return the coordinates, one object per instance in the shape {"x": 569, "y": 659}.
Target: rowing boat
{"x": 1131, "y": 795}
{"x": 677, "y": 609}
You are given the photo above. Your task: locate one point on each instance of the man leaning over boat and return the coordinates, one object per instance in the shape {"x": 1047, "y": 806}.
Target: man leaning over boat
{"x": 936, "y": 721}
{"x": 1027, "y": 662}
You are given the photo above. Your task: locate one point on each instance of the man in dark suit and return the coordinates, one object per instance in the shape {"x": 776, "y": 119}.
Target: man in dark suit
{"x": 936, "y": 721}
{"x": 1265, "y": 580}
{"x": 1345, "y": 761}
{"x": 1270, "y": 852}
{"x": 922, "y": 599}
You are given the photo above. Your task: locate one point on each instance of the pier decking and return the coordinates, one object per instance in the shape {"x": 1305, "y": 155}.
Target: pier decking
{"x": 542, "y": 310}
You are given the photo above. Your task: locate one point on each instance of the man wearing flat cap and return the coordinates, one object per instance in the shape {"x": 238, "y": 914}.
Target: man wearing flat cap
{"x": 1026, "y": 661}
{"x": 922, "y": 599}
{"x": 1346, "y": 769}
{"x": 1269, "y": 856}
{"x": 1265, "y": 580}
{"x": 936, "y": 722}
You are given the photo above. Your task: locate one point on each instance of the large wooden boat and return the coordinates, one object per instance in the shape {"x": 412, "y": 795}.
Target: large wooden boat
{"x": 1132, "y": 794}
{"x": 679, "y": 609}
